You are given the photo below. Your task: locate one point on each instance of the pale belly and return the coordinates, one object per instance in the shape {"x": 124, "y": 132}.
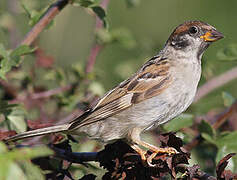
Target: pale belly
{"x": 145, "y": 115}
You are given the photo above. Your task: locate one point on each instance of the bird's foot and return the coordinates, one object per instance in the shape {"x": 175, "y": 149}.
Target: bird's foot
{"x": 168, "y": 150}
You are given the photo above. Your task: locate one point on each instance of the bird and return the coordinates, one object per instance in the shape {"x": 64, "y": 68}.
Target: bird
{"x": 160, "y": 90}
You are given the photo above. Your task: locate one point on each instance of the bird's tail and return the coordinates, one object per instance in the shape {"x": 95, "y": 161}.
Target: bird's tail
{"x": 38, "y": 132}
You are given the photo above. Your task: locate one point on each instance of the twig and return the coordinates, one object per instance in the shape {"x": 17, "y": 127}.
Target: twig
{"x": 53, "y": 10}
{"x": 95, "y": 50}
{"x": 92, "y": 57}
{"x": 47, "y": 94}
{"x": 41, "y": 95}
{"x": 216, "y": 82}
{"x": 225, "y": 115}
{"x": 75, "y": 157}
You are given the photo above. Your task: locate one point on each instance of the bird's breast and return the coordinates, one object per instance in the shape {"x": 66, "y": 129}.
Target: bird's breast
{"x": 151, "y": 112}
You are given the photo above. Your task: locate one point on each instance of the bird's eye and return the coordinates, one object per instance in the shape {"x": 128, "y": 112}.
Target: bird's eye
{"x": 193, "y": 30}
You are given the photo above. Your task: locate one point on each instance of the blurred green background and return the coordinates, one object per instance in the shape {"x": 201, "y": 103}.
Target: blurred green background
{"x": 150, "y": 23}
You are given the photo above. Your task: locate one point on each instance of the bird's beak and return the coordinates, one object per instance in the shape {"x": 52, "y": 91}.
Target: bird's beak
{"x": 212, "y": 35}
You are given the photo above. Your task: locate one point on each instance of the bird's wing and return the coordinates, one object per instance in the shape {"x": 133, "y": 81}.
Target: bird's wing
{"x": 150, "y": 81}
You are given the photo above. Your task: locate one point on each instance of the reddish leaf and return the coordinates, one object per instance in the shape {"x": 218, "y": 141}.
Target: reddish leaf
{"x": 220, "y": 169}
{"x": 37, "y": 124}
{"x": 192, "y": 171}
{"x": 5, "y": 134}
{"x": 43, "y": 60}
{"x": 57, "y": 138}
{"x": 122, "y": 161}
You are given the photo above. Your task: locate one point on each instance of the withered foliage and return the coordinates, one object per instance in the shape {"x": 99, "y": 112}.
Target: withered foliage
{"x": 223, "y": 174}
{"x": 122, "y": 162}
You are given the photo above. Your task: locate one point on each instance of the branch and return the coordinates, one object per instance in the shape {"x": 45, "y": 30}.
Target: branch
{"x": 75, "y": 157}
{"x": 92, "y": 57}
{"x": 40, "y": 95}
{"x": 216, "y": 82}
{"x": 53, "y": 10}
{"x": 95, "y": 50}
{"x": 47, "y": 94}
{"x": 222, "y": 117}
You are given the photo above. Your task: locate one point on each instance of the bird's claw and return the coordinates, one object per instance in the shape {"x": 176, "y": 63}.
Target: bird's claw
{"x": 169, "y": 150}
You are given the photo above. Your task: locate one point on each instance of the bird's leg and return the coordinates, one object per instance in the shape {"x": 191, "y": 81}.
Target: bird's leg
{"x": 140, "y": 151}
{"x": 135, "y": 138}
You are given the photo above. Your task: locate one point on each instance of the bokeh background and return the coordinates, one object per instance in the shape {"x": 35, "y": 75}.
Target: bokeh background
{"x": 150, "y": 24}
{"x": 144, "y": 26}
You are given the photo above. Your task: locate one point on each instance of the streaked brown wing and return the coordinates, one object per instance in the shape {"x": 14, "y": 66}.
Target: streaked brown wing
{"x": 150, "y": 81}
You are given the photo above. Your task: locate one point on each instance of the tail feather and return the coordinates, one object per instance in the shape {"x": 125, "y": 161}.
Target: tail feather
{"x": 38, "y": 132}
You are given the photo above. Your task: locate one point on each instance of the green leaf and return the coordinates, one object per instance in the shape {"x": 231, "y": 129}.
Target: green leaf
{"x": 16, "y": 54}
{"x": 208, "y": 138}
{"x": 124, "y": 37}
{"x": 228, "y": 53}
{"x": 9, "y": 169}
{"x": 4, "y": 61}
{"x": 11, "y": 59}
{"x": 205, "y": 128}
{"x": 85, "y": 3}
{"x": 31, "y": 171}
{"x": 29, "y": 153}
{"x": 228, "y": 140}
{"x": 96, "y": 88}
{"x": 13, "y": 171}
{"x": 182, "y": 121}
{"x": 3, "y": 147}
{"x": 17, "y": 119}
{"x": 100, "y": 12}
{"x": 103, "y": 36}
{"x": 5, "y": 66}
{"x": 132, "y": 3}
{"x": 226, "y": 144}
{"x": 6, "y": 108}
{"x": 28, "y": 12}
{"x": 22, "y": 50}
{"x": 3, "y": 51}
{"x": 35, "y": 16}
{"x": 228, "y": 99}
{"x": 58, "y": 75}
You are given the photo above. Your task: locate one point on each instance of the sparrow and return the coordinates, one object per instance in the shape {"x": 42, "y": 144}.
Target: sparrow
{"x": 160, "y": 90}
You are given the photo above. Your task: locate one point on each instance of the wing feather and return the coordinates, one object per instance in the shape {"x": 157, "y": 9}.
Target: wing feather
{"x": 150, "y": 81}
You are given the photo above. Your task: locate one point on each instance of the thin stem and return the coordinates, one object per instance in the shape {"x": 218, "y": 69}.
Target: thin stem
{"x": 53, "y": 10}
{"x": 96, "y": 49}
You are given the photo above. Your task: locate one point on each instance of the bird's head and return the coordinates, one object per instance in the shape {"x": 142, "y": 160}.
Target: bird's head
{"x": 193, "y": 37}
